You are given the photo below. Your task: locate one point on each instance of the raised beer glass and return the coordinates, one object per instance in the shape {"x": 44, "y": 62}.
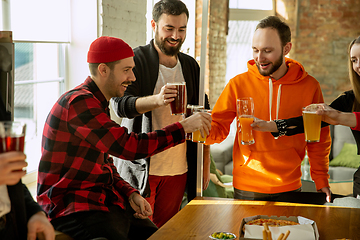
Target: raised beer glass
{"x": 178, "y": 106}
{"x": 245, "y": 116}
{"x": 312, "y": 123}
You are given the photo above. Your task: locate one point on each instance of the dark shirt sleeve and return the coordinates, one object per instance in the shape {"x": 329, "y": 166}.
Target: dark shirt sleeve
{"x": 125, "y": 106}
{"x": 296, "y": 125}
{"x": 31, "y": 206}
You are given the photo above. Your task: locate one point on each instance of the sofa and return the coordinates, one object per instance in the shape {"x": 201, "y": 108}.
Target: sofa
{"x": 222, "y": 154}
{"x": 343, "y": 150}
{"x": 343, "y": 155}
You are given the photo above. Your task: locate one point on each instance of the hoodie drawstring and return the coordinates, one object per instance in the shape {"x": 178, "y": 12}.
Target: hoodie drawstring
{"x": 270, "y": 96}
{"x": 277, "y": 101}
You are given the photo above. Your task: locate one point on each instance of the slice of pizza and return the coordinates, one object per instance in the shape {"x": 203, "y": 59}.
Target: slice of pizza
{"x": 270, "y": 222}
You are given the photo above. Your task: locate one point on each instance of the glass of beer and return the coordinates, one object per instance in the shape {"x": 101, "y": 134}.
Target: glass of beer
{"x": 196, "y": 136}
{"x": 12, "y": 136}
{"x": 189, "y": 111}
{"x": 245, "y": 117}
{"x": 178, "y": 106}
{"x": 312, "y": 123}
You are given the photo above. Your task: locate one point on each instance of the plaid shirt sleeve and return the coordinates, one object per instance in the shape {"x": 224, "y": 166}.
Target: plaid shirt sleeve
{"x": 90, "y": 122}
{"x": 75, "y": 171}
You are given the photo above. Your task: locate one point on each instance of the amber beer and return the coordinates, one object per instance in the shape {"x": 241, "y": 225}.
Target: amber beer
{"x": 245, "y": 116}
{"x": 312, "y": 126}
{"x": 189, "y": 111}
{"x": 196, "y": 136}
{"x": 247, "y": 137}
{"x": 12, "y": 136}
{"x": 178, "y": 106}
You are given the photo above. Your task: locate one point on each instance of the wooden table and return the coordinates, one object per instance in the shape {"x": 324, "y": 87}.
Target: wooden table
{"x": 205, "y": 215}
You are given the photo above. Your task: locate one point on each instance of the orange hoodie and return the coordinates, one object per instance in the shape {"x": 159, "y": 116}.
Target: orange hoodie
{"x": 272, "y": 165}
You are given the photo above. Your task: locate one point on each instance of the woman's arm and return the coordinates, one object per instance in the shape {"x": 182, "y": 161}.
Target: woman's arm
{"x": 336, "y": 117}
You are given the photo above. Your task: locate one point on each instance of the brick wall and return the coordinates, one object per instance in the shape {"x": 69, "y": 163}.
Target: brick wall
{"x": 124, "y": 19}
{"x": 216, "y": 46}
{"x": 320, "y": 40}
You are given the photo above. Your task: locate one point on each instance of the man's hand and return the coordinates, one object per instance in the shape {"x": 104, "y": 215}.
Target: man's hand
{"x": 141, "y": 207}
{"x": 11, "y": 167}
{"x": 328, "y": 193}
{"x": 40, "y": 228}
{"x": 167, "y": 94}
{"x": 198, "y": 121}
{"x": 264, "y": 126}
{"x": 145, "y": 104}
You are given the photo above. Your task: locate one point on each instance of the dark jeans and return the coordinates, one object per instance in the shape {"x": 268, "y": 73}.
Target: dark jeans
{"x": 356, "y": 186}
{"x": 117, "y": 224}
{"x": 245, "y": 195}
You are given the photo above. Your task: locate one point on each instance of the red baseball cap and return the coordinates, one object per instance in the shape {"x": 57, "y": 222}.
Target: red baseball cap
{"x": 108, "y": 49}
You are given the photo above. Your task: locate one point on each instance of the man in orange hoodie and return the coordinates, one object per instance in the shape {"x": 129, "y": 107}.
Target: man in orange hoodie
{"x": 280, "y": 88}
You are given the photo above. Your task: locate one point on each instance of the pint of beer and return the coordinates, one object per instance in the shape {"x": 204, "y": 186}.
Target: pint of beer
{"x": 196, "y": 136}
{"x": 246, "y": 130}
{"x": 312, "y": 123}
{"x": 178, "y": 106}
{"x": 189, "y": 111}
{"x": 245, "y": 116}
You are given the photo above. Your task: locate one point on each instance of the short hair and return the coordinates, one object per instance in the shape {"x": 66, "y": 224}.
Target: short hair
{"x": 93, "y": 67}
{"x": 170, "y": 7}
{"x": 281, "y": 27}
{"x": 354, "y": 78}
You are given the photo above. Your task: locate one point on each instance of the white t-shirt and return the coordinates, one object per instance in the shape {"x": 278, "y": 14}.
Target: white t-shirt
{"x": 173, "y": 160}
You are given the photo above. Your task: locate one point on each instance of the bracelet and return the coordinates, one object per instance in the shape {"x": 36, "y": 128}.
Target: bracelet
{"x": 281, "y": 126}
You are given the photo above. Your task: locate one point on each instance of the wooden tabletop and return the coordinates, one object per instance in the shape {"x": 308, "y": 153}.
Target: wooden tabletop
{"x": 205, "y": 215}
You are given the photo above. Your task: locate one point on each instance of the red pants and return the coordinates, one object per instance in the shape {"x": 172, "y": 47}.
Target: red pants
{"x": 166, "y": 197}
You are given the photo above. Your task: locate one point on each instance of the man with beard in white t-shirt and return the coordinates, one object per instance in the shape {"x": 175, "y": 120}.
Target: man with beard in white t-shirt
{"x": 163, "y": 178}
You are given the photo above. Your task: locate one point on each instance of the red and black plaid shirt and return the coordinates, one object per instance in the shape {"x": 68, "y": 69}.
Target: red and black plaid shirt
{"x": 75, "y": 171}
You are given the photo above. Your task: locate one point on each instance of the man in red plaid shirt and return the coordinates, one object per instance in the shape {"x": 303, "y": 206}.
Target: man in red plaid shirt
{"x": 78, "y": 185}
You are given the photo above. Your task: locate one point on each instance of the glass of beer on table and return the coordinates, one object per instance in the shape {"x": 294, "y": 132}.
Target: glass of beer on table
{"x": 312, "y": 123}
{"x": 178, "y": 106}
{"x": 245, "y": 117}
{"x": 12, "y": 136}
{"x": 196, "y": 136}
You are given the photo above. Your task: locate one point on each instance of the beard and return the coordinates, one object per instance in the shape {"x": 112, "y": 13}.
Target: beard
{"x": 276, "y": 65}
{"x": 113, "y": 87}
{"x": 167, "y": 50}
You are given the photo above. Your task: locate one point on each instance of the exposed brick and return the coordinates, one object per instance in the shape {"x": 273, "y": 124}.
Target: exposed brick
{"x": 326, "y": 27}
{"x": 125, "y": 19}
